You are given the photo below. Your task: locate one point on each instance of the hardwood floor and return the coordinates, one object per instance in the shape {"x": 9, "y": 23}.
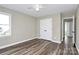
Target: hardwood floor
{"x": 62, "y": 50}
{"x": 39, "y": 47}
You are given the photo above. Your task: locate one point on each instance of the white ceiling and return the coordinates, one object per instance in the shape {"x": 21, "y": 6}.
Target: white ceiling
{"x": 48, "y": 9}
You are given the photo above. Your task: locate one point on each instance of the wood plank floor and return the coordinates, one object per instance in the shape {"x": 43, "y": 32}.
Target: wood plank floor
{"x": 39, "y": 47}
{"x": 62, "y": 50}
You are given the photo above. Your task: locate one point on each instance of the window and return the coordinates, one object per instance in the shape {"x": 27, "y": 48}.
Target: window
{"x": 4, "y": 25}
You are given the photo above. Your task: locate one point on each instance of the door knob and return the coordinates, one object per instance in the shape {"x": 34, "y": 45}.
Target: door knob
{"x": 45, "y": 30}
{"x": 73, "y": 31}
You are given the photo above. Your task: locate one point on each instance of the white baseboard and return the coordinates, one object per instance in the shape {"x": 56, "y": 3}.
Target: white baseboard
{"x": 77, "y": 48}
{"x": 5, "y": 46}
{"x": 8, "y": 45}
{"x": 56, "y": 41}
{"x": 52, "y": 40}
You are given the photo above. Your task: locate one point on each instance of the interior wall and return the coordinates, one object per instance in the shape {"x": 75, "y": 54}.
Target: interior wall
{"x": 68, "y": 14}
{"x": 77, "y": 28}
{"x": 23, "y": 27}
{"x": 38, "y": 27}
{"x": 57, "y": 28}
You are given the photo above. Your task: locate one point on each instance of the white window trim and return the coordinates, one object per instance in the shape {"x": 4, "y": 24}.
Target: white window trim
{"x": 9, "y": 22}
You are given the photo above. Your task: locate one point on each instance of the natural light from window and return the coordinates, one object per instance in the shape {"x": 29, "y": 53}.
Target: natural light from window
{"x": 4, "y": 25}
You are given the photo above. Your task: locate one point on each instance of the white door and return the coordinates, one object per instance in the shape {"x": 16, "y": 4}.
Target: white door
{"x": 46, "y": 29}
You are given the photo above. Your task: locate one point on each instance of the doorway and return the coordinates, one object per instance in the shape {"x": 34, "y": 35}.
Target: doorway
{"x": 69, "y": 32}
{"x": 46, "y": 29}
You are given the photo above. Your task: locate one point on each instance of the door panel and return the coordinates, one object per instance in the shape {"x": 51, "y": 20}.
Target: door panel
{"x": 46, "y": 29}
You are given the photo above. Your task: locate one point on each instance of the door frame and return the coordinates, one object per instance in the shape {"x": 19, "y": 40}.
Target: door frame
{"x": 74, "y": 28}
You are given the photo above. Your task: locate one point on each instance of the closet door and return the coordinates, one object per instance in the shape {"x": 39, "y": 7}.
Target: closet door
{"x": 46, "y": 29}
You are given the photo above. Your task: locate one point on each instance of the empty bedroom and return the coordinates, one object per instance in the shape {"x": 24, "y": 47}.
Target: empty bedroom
{"x": 39, "y": 29}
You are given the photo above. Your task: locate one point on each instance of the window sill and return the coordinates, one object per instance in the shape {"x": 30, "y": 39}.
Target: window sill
{"x": 4, "y": 36}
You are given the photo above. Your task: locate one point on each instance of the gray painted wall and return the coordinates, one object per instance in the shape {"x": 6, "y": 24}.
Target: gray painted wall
{"x": 77, "y": 28}
{"x": 23, "y": 27}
